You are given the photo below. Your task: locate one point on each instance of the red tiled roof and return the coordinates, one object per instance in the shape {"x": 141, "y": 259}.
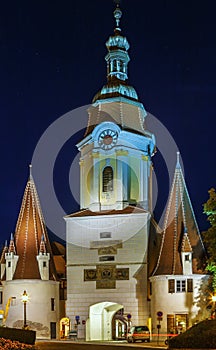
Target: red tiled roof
{"x": 181, "y": 233}
{"x": 128, "y": 210}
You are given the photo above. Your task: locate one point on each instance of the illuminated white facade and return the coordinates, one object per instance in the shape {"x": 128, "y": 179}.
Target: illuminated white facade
{"x": 120, "y": 269}
{"x": 107, "y": 240}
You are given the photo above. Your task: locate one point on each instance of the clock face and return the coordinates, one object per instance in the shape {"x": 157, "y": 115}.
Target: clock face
{"x": 107, "y": 139}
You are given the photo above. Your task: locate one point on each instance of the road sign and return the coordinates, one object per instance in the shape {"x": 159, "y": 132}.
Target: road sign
{"x": 83, "y": 322}
{"x": 159, "y": 313}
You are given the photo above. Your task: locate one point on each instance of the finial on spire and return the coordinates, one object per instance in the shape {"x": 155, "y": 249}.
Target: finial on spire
{"x": 117, "y": 13}
{"x": 178, "y": 159}
{"x": 30, "y": 171}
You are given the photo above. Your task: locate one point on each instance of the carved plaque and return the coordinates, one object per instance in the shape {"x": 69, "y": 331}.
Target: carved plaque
{"x": 122, "y": 274}
{"x": 107, "y": 250}
{"x": 90, "y": 275}
{"x": 105, "y": 284}
{"x": 106, "y": 243}
{"x": 106, "y": 276}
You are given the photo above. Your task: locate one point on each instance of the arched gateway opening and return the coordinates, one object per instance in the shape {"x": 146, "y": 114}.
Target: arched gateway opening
{"x": 105, "y": 322}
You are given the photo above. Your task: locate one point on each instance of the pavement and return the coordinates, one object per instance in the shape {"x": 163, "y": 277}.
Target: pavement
{"x": 81, "y": 344}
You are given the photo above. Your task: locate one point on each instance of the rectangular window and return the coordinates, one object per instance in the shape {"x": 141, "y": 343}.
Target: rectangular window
{"x": 187, "y": 257}
{"x": 106, "y": 258}
{"x": 105, "y": 234}
{"x": 0, "y": 297}
{"x": 52, "y": 304}
{"x": 13, "y": 301}
{"x": 171, "y": 286}
{"x": 44, "y": 264}
{"x": 180, "y": 286}
{"x": 190, "y": 285}
{"x": 9, "y": 263}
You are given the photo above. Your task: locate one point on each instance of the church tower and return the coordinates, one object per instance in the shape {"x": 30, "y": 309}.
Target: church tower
{"x": 107, "y": 239}
{"x": 115, "y": 162}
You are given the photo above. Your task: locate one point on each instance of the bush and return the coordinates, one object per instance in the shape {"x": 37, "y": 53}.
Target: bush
{"x": 200, "y": 336}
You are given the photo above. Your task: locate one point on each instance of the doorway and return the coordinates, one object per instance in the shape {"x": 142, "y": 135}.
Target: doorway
{"x": 177, "y": 323}
{"x": 64, "y": 327}
{"x": 119, "y": 325}
{"x": 53, "y": 330}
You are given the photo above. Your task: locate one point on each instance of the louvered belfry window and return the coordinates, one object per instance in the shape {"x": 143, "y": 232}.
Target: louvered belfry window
{"x": 108, "y": 179}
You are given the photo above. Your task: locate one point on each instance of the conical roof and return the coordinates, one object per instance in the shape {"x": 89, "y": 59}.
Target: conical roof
{"x": 4, "y": 251}
{"x": 30, "y": 231}
{"x": 180, "y": 233}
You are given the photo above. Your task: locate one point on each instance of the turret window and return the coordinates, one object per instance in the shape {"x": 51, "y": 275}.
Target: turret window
{"x": 180, "y": 286}
{"x": 108, "y": 179}
{"x": 190, "y": 285}
{"x": 52, "y": 304}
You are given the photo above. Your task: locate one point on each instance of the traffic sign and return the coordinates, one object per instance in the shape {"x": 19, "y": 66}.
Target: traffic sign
{"x": 159, "y": 313}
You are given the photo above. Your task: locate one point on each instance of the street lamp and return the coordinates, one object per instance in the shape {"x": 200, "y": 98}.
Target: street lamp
{"x": 24, "y": 300}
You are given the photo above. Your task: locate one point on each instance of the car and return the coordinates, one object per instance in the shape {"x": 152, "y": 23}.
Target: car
{"x": 72, "y": 334}
{"x": 138, "y": 333}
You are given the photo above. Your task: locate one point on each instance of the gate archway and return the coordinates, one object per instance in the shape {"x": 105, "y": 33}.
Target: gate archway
{"x": 99, "y": 324}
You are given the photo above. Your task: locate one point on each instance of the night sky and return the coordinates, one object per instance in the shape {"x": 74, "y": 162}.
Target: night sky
{"x": 52, "y": 61}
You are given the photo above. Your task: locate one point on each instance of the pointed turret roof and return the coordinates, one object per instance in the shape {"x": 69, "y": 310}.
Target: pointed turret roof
{"x": 4, "y": 251}
{"x": 30, "y": 229}
{"x": 181, "y": 232}
{"x": 11, "y": 248}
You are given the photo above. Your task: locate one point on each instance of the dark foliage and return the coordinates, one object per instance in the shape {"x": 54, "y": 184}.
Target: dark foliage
{"x": 200, "y": 336}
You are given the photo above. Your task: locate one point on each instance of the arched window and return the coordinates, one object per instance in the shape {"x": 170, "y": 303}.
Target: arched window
{"x": 107, "y": 179}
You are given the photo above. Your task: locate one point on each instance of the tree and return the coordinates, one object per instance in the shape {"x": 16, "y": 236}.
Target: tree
{"x": 209, "y": 236}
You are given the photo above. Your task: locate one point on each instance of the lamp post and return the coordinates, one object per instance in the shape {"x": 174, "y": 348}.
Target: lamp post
{"x": 24, "y": 300}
